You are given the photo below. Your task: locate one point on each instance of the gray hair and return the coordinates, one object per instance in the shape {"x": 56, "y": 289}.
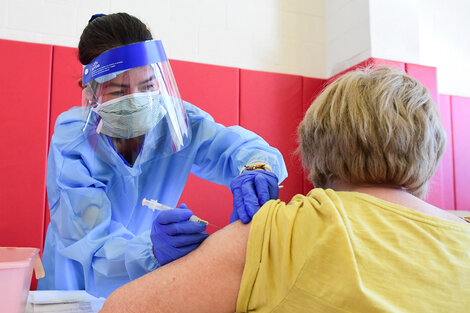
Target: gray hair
{"x": 373, "y": 126}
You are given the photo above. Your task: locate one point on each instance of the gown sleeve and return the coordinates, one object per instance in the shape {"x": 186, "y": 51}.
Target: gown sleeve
{"x": 223, "y": 151}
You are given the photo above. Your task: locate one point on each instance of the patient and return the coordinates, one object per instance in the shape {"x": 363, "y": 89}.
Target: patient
{"x": 362, "y": 241}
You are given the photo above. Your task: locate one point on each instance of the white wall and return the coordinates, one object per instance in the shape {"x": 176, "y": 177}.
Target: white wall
{"x": 315, "y": 38}
{"x": 347, "y": 34}
{"x": 395, "y": 30}
{"x": 426, "y": 32}
{"x": 445, "y": 43}
{"x": 268, "y": 35}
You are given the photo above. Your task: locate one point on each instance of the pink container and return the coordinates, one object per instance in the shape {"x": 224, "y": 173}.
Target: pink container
{"x": 16, "y": 269}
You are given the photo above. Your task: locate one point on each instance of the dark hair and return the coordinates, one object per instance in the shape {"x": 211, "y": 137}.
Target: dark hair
{"x": 108, "y": 32}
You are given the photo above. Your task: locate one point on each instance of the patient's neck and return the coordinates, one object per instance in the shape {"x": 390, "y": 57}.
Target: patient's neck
{"x": 385, "y": 192}
{"x": 397, "y": 195}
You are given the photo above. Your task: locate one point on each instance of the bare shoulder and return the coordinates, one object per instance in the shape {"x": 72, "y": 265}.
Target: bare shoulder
{"x": 230, "y": 240}
{"x": 206, "y": 280}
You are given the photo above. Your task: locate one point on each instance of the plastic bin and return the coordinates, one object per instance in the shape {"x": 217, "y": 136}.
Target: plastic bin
{"x": 16, "y": 268}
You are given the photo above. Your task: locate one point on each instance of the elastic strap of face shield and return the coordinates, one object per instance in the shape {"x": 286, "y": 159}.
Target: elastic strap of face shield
{"x": 90, "y": 90}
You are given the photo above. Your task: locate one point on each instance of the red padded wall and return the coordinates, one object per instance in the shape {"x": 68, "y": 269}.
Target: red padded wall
{"x": 25, "y": 87}
{"x": 214, "y": 89}
{"x": 461, "y": 134}
{"x": 271, "y": 106}
{"x": 311, "y": 87}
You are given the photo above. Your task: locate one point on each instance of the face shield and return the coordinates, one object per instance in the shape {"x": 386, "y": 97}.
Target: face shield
{"x": 130, "y": 91}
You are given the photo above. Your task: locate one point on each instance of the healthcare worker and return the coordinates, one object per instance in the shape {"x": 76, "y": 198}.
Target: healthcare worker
{"x": 134, "y": 138}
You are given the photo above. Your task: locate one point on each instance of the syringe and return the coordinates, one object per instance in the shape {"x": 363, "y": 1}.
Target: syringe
{"x": 155, "y": 205}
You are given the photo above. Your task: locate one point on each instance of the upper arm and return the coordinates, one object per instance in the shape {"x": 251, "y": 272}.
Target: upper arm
{"x": 206, "y": 280}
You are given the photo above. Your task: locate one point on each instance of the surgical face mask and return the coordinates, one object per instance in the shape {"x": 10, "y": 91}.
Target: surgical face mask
{"x": 131, "y": 115}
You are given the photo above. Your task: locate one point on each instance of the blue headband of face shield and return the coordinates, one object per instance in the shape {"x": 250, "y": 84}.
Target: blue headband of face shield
{"x": 124, "y": 58}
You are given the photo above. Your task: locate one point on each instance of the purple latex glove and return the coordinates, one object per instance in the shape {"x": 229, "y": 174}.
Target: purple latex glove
{"x": 252, "y": 189}
{"x": 174, "y": 236}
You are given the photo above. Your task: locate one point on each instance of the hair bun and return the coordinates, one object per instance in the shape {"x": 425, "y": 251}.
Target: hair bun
{"x": 94, "y": 16}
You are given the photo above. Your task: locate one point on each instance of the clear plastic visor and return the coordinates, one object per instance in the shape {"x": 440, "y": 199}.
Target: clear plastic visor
{"x": 142, "y": 100}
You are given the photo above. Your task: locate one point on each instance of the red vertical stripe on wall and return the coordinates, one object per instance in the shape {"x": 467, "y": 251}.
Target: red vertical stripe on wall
{"x": 26, "y": 84}
{"x": 271, "y": 106}
{"x": 461, "y": 134}
{"x": 445, "y": 191}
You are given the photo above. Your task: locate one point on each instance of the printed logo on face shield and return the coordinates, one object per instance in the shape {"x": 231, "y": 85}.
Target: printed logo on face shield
{"x": 95, "y": 65}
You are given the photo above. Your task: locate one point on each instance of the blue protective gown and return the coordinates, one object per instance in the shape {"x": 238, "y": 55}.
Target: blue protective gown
{"x": 99, "y": 235}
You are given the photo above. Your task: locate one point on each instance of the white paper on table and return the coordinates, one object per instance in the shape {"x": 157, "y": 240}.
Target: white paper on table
{"x": 76, "y": 307}
{"x": 60, "y": 296}
{"x": 64, "y": 301}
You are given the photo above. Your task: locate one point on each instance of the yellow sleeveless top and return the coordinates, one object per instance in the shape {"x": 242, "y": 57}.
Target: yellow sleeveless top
{"x": 350, "y": 252}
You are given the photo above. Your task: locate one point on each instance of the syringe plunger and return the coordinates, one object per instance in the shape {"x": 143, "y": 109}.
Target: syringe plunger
{"x": 155, "y": 205}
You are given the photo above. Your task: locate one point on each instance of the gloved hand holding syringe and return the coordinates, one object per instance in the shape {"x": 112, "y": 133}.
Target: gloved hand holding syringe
{"x": 155, "y": 205}
{"x": 175, "y": 231}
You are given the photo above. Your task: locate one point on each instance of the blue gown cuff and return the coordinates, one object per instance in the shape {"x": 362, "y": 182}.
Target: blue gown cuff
{"x": 139, "y": 256}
